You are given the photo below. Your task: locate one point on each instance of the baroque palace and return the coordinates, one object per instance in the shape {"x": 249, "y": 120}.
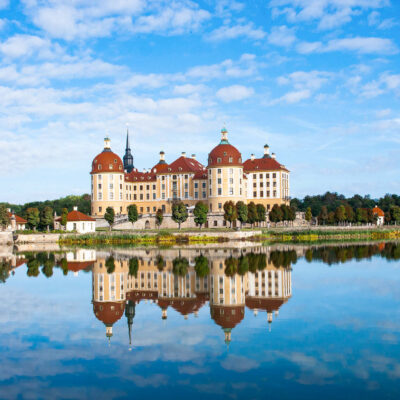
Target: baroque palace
{"x": 226, "y": 177}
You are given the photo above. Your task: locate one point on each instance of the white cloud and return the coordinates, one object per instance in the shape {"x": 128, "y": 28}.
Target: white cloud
{"x": 282, "y": 36}
{"x": 234, "y": 93}
{"x": 385, "y": 83}
{"x": 295, "y": 97}
{"x": 4, "y": 4}
{"x": 232, "y": 32}
{"x": 361, "y": 45}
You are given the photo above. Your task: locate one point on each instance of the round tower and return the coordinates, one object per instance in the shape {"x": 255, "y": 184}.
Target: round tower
{"x": 225, "y": 174}
{"x": 107, "y": 182}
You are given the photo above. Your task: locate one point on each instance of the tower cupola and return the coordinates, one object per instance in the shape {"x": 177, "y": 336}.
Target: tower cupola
{"x": 128, "y": 158}
{"x": 107, "y": 144}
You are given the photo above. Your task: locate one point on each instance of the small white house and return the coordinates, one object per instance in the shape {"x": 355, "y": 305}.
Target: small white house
{"x": 77, "y": 221}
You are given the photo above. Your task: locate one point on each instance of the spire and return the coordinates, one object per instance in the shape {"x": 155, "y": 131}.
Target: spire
{"x": 128, "y": 158}
{"x": 227, "y": 332}
{"x": 130, "y": 314}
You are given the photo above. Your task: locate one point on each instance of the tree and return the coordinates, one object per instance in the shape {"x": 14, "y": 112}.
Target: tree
{"x": 159, "y": 217}
{"x": 261, "y": 213}
{"x": 64, "y": 266}
{"x": 292, "y": 214}
{"x": 201, "y": 266}
{"x": 200, "y": 213}
{"x": 180, "y": 266}
{"x": 109, "y": 216}
{"x": 308, "y": 215}
{"x": 230, "y": 212}
{"x": 251, "y": 213}
{"x": 243, "y": 265}
{"x": 64, "y": 215}
{"x": 33, "y": 217}
{"x": 133, "y": 266}
{"x": 349, "y": 213}
{"x": 47, "y": 218}
{"x": 110, "y": 265}
{"x": 362, "y": 215}
{"x": 160, "y": 262}
{"x": 242, "y": 212}
{"x": 231, "y": 266}
{"x": 323, "y": 215}
{"x": 340, "y": 214}
{"x": 48, "y": 266}
{"x": 4, "y": 217}
{"x": 275, "y": 215}
{"x": 179, "y": 213}
{"x": 331, "y": 218}
{"x": 33, "y": 267}
{"x": 395, "y": 214}
{"x": 132, "y": 214}
{"x": 285, "y": 212}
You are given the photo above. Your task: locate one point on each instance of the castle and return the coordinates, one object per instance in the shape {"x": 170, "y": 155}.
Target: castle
{"x": 116, "y": 183}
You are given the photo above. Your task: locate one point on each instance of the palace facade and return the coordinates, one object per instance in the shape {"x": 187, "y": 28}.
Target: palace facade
{"x": 226, "y": 177}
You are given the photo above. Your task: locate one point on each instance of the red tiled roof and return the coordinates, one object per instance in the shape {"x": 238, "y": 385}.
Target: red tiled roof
{"x": 76, "y": 266}
{"x": 227, "y": 316}
{"x": 263, "y": 164}
{"x": 377, "y": 211}
{"x": 184, "y": 164}
{"x": 268, "y": 305}
{"x": 136, "y": 176}
{"x": 73, "y": 216}
{"x": 200, "y": 175}
{"x": 107, "y": 161}
{"x": 108, "y": 312}
{"x": 224, "y": 152}
{"x": 159, "y": 168}
{"x": 18, "y": 219}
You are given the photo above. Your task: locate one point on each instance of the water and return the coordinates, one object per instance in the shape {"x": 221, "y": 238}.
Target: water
{"x": 284, "y": 323}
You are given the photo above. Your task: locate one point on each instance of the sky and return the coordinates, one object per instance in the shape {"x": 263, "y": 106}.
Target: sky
{"x": 318, "y": 80}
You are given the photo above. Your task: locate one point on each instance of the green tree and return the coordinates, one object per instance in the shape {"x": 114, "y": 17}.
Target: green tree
{"x": 4, "y": 217}
{"x": 252, "y": 213}
{"x": 331, "y": 218}
{"x": 323, "y": 215}
{"x": 5, "y": 268}
{"x": 64, "y": 215}
{"x": 110, "y": 265}
{"x": 48, "y": 266}
{"x": 201, "y": 266}
{"x": 200, "y": 213}
{"x": 180, "y": 266}
{"x": 33, "y": 267}
{"x": 159, "y": 217}
{"x": 395, "y": 214}
{"x": 109, "y": 216}
{"x": 133, "y": 266}
{"x": 242, "y": 212}
{"x": 308, "y": 215}
{"x": 243, "y": 265}
{"x": 230, "y": 212}
{"x": 132, "y": 214}
{"x": 179, "y": 213}
{"x": 64, "y": 266}
{"x": 33, "y": 217}
{"x": 285, "y": 212}
{"x": 261, "y": 213}
{"x": 350, "y": 217}
{"x": 292, "y": 214}
{"x": 275, "y": 215}
{"x": 340, "y": 214}
{"x": 47, "y": 218}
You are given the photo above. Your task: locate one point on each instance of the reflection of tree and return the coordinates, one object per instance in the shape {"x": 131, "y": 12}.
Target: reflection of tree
{"x": 133, "y": 266}
{"x": 33, "y": 267}
{"x": 231, "y": 266}
{"x": 48, "y": 266}
{"x": 160, "y": 262}
{"x": 110, "y": 265}
{"x": 64, "y": 266}
{"x": 281, "y": 258}
{"x": 243, "y": 265}
{"x": 201, "y": 266}
{"x": 5, "y": 267}
{"x": 180, "y": 266}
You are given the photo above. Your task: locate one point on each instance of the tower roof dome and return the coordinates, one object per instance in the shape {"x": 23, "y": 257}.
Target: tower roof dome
{"x": 107, "y": 161}
{"x": 224, "y": 154}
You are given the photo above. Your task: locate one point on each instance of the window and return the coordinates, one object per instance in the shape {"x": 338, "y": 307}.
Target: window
{"x": 147, "y": 187}
{"x": 148, "y": 209}
{"x": 186, "y": 177}
{"x": 196, "y": 195}
{"x": 231, "y": 171}
{"x": 186, "y": 185}
{"x": 268, "y": 192}
{"x": 141, "y": 187}
{"x": 99, "y": 186}
{"x": 261, "y": 176}
{"x": 254, "y": 194}
{"x": 230, "y": 159}
{"x": 147, "y": 196}
{"x": 100, "y": 196}
{"x": 141, "y": 209}
{"x": 186, "y": 195}
{"x": 163, "y": 186}
{"x": 219, "y": 191}
{"x": 210, "y": 192}
{"x": 204, "y": 194}
{"x": 216, "y": 222}
{"x": 219, "y": 160}
{"x": 204, "y": 185}
{"x": 219, "y": 170}
{"x": 219, "y": 181}
{"x": 141, "y": 196}
{"x": 100, "y": 209}
{"x": 134, "y": 197}
{"x": 254, "y": 176}
{"x": 261, "y": 194}
{"x": 220, "y": 206}
{"x": 99, "y": 167}
{"x": 154, "y": 187}
{"x": 111, "y": 196}
{"x": 274, "y": 175}
{"x": 231, "y": 191}
{"x": 163, "y": 196}
{"x": 267, "y": 176}
{"x": 154, "y": 196}
{"x": 231, "y": 181}
{"x": 74, "y": 226}
{"x": 111, "y": 186}
{"x": 274, "y": 193}
{"x": 196, "y": 185}
{"x": 254, "y": 184}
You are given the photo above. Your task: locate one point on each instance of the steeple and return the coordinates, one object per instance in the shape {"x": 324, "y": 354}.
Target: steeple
{"x": 128, "y": 158}
{"x": 130, "y": 314}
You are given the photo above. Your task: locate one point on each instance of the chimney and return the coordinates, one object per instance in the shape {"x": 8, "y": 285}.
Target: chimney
{"x": 75, "y": 208}
{"x": 266, "y": 151}
{"x": 194, "y": 156}
{"x": 252, "y": 157}
{"x": 273, "y": 155}
{"x": 162, "y": 156}
{"x": 183, "y": 154}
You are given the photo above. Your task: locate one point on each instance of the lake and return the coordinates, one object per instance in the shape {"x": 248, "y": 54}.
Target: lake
{"x": 250, "y": 322}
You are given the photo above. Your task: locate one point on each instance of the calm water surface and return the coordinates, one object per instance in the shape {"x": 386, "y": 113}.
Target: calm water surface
{"x": 249, "y": 323}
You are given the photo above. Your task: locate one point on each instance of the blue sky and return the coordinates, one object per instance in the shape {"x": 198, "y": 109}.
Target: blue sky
{"x": 318, "y": 80}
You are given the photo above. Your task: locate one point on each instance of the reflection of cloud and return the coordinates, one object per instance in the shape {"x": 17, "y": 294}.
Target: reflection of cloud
{"x": 239, "y": 363}
{"x": 192, "y": 370}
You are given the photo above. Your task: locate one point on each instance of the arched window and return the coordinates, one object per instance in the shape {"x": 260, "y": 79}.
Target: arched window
{"x": 99, "y": 166}
{"x": 219, "y": 160}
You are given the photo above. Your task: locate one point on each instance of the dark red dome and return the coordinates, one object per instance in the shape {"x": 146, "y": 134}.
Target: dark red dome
{"x": 224, "y": 155}
{"x": 108, "y": 312}
{"x": 227, "y": 317}
{"x": 107, "y": 161}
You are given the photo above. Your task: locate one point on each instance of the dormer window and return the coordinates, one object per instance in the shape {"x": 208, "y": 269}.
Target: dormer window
{"x": 180, "y": 168}
{"x": 99, "y": 166}
{"x": 230, "y": 159}
{"x": 219, "y": 160}
{"x": 111, "y": 166}
{"x": 115, "y": 160}
{"x": 240, "y": 159}
{"x": 120, "y": 167}
{"x": 225, "y": 153}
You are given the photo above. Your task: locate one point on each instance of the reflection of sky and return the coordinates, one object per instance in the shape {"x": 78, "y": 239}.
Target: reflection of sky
{"x": 338, "y": 336}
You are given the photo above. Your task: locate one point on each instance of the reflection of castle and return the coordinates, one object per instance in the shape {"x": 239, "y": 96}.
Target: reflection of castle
{"x": 116, "y": 291}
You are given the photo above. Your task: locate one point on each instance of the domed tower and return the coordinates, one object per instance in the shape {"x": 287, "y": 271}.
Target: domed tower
{"x": 225, "y": 174}
{"x": 107, "y": 182}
